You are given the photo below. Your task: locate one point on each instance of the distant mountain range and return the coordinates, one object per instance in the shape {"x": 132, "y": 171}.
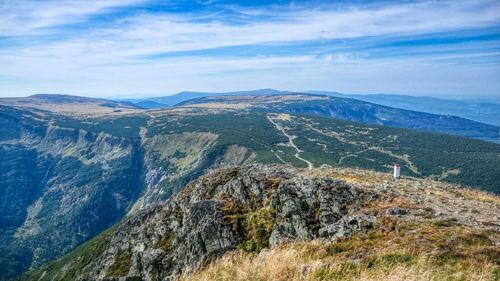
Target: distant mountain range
{"x": 355, "y": 110}
{"x": 483, "y": 111}
{"x": 347, "y": 108}
{"x": 164, "y": 101}
{"x": 487, "y": 112}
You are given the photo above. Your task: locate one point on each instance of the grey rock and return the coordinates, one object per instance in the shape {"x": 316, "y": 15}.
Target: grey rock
{"x": 349, "y": 225}
{"x": 194, "y": 227}
{"x": 326, "y": 265}
{"x": 304, "y": 271}
{"x": 396, "y": 211}
{"x": 354, "y": 261}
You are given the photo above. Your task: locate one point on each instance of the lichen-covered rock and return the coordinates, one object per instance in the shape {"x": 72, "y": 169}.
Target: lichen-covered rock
{"x": 251, "y": 207}
{"x": 396, "y": 211}
{"x": 348, "y": 225}
{"x": 255, "y": 208}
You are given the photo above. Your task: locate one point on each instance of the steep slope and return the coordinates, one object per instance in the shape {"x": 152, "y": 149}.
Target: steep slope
{"x": 354, "y": 110}
{"x": 373, "y": 222}
{"x": 67, "y": 177}
{"x": 60, "y": 187}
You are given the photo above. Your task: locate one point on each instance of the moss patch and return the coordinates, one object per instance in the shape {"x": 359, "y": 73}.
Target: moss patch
{"x": 121, "y": 266}
{"x": 446, "y": 222}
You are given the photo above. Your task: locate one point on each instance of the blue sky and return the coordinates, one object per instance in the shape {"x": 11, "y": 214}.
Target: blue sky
{"x": 138, "y": 47}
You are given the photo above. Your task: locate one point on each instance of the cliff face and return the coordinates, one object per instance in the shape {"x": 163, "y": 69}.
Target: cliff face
{"x": 255, "y": 207}
{"x": 250, "y": 208}
{"x": 61, "y": 187}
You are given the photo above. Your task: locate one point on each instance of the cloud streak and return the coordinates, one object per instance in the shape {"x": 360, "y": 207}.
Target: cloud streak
{"x": 29, "y": 17}
{"x": 66, "y": 39}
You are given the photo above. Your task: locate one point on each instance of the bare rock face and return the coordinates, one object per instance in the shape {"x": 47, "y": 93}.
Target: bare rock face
{"x": 252, "y": 207}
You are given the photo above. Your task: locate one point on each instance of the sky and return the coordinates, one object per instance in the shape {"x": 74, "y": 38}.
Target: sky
{"x": 102, "y": 48}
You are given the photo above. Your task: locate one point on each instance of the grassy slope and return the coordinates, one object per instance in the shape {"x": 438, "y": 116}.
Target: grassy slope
{"x": 393, "y": 251}
{"x": 350, "y": 144}
{"x": 81, "y": 257}
{"x": 425, "y": 245}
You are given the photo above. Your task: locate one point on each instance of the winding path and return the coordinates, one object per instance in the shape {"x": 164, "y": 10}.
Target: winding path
{"x": 290, "y": 140}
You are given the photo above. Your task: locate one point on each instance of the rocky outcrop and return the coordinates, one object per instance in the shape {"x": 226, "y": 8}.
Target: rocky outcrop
{"x": 251, "y": 208}
{"x": 257, "y": 207}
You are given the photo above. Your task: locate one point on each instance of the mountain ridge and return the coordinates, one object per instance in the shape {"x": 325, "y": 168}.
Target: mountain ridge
{"x": 484, "y": 111}
{"x": 355, "y": 110}
{"x": 254, "y": 210}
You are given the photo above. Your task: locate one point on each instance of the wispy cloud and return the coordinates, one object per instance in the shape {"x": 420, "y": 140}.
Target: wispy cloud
{"x": 30, "y": 17}
{"x": 67, "y": 39}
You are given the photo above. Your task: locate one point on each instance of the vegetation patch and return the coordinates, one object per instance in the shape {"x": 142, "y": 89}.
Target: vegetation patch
{"x": 446, "y": 223}
{"x": 166, "y": 243}
{"x": 253, "y": 229}
{"x": 120, "y": 126}
{"x": 394, "y": 250}
{"x": 390, "y": 260}
{"x": 83, "y": 256}
{"x": 121, "y": 266}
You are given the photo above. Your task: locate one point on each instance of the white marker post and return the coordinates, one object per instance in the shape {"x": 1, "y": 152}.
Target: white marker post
{"x": 397, "y": 169}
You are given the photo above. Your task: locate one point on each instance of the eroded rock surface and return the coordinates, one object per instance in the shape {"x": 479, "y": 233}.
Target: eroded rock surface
{"x": 257, "y": 207}
{"x": 253, "y": 207}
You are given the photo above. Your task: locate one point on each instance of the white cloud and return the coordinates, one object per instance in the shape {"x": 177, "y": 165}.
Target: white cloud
{"x": 410, "y": 76}
{"x": 110, "y": 58}
{"x": 29, "y": 17}
{"x": 146, "y": 34}
{"x": 168, "y": 33}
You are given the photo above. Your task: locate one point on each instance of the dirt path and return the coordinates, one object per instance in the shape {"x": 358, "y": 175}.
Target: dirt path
{"x": 290, "y": 141}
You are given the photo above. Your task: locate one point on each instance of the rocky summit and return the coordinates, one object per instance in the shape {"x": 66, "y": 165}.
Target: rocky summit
{"x": 261, "y": 208}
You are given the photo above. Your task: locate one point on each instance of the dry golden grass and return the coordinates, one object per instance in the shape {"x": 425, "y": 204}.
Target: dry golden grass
{"x": 394, "y": 250}
{"x": 449, "y": 233}
{"x": 480, "y": 196}
{"x": 287, "y": 263}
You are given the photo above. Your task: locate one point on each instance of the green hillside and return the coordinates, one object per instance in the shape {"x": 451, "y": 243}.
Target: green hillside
{"x": 354, "y": 110}
{"x": 66, "y": 178}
